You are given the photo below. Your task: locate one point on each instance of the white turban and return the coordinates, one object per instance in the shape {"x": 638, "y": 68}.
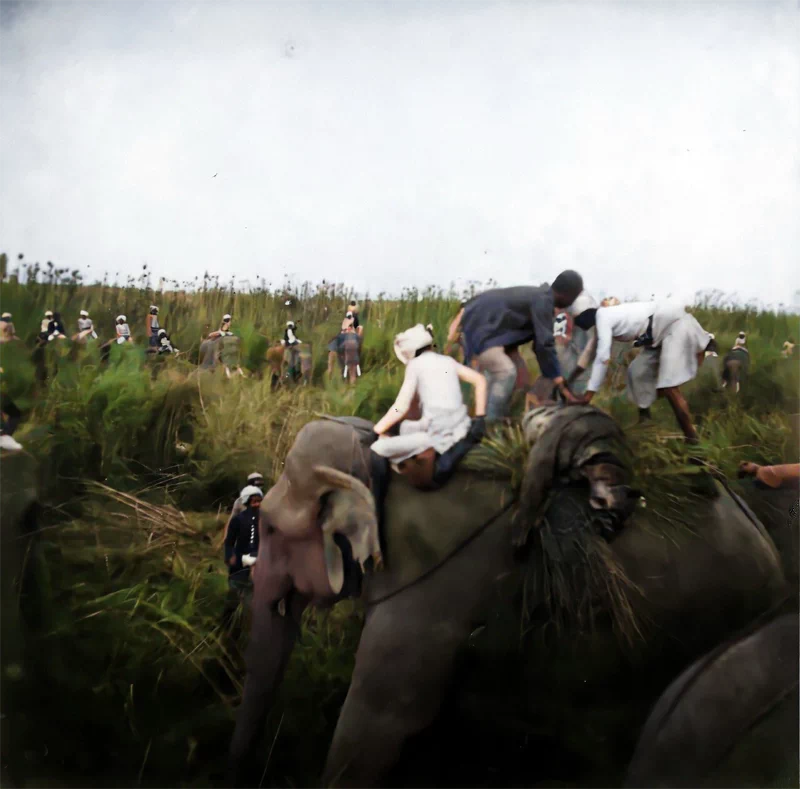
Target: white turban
{"x": 409, "y": 342}
{"x": 121, "y": 318}
{"x": 248, "y": 491}
{"x": 583, "y": 302}
{"x": 84, "y": 314}
{"x": 226, "y": 317}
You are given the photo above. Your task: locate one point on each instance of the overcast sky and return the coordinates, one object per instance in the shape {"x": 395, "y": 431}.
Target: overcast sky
{"x": 651, "y": 145}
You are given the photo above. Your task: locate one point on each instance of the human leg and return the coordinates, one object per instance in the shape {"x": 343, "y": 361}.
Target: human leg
{"x": 681, "y": 410}
{"x": 501, "y": 373}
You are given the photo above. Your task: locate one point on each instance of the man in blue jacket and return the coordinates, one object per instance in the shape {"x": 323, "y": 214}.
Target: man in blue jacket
{"x": 495, "y": 323}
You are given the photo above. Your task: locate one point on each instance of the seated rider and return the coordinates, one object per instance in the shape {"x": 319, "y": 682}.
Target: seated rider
{"x": 7, "y": 330}
{"x": 435, "y": 381}
{"x": 164, "y": 343}
{"x": 43, "y": 333}
{"x": 86, "y": 326}
{"x": 123, "y": 330}
{"x": 55, "y": 329}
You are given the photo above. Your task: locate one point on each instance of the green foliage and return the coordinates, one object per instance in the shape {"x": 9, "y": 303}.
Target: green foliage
{"x": 128, "y": 648}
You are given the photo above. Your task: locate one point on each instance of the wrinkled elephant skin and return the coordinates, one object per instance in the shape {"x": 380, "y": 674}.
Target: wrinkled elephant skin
{"x": 695, "y": 588}
{"x": 730, "y": 719}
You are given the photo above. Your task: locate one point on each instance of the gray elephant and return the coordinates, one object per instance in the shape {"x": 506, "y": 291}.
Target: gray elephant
{"x": 476, "y": 575}
{"x": 730, "y": 719}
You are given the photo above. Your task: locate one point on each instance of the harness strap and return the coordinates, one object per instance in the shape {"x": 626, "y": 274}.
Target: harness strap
{"x": 447, "y": 558}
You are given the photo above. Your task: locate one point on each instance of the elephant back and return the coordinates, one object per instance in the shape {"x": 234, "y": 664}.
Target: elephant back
{"x": 730, "y": 719}
{"x": 422, "y": 529}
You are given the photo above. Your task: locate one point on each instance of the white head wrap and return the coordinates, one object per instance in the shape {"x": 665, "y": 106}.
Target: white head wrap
{"x": 410, "y": 341}
{"x": 121, "y": 318}
{"x": 6, "y": 316}
{"x": 584, "y": 301}
{"x": 255, "y": 475}
{"x": 247, "y": 492}
{"x": 226, "y": 317}
{"x": 48, "y": 314}
{"x": 84, "y": 314}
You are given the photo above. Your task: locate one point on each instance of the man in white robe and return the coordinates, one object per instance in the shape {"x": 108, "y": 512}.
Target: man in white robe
{"x": 673, "y": 348}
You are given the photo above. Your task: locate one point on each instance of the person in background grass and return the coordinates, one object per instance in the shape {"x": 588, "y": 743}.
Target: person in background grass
{"x": 788, "y": 348}
{"x": 352, "y": 312}
{"x": 7, "y": 330}
{"x": 673, "y": 348}
{"x": 224, "y": 327}
{"x": 55, "y": 329}
{"x": 43, "y": 333}
{"x": 85, "y": 327}
{"x": 495, "y": 323}
{"x": 10, "y": 417}
{"x": 255, "y": 479}
{"x": 241, "y": 551}
{"x": 152, "y": 327}
{"x": 164, "y": 343}
{"x": 123, "y": 330}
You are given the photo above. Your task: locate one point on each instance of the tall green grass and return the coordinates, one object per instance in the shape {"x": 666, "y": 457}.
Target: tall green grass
{"x": 128, "y": 677}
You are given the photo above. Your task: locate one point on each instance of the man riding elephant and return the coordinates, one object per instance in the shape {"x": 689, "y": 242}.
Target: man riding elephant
{"x": 483, "y": 567}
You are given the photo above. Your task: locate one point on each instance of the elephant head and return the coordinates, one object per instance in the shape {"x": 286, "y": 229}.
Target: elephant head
{"x": 318, "y": 528}
{"x": 319, "y": 497}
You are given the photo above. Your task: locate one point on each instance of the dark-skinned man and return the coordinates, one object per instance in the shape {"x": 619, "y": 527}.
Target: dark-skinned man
{"x": 495, "y": 323}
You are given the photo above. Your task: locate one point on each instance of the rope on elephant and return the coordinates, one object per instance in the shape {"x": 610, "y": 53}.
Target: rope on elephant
{"x": 480, "y": 530}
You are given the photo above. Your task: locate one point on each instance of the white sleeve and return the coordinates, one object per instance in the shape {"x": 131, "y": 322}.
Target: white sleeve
{"x": 604, "y": 338}
{"x": 407, "y": 391}
{"x": 586, "y": 357}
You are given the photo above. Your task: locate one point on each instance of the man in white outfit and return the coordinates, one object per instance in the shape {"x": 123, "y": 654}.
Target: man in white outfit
{"x": 673, "y": 348}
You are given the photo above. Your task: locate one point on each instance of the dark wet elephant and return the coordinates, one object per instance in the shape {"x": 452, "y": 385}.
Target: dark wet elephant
{"x": 730, "y": 719}
{"x": 455, "y": 592}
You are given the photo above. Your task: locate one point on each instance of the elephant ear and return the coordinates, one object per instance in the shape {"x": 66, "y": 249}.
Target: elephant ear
{"x": 350, "y": 512}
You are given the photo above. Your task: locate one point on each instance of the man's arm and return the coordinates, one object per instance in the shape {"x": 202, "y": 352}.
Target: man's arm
{"x": 602, "y": 340}
{"x": 544, "y": 345}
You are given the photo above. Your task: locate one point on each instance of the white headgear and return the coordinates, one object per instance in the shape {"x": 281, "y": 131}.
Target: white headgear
{"x": 48, "y": 314}
{"x": 226, "y": 317}
{"x": 247, "y": 492}
{"x": 255, "y": 475}
{"x": 121, "y": 318}
{"x": 6, "y": 316}
{"x": 410, "y": 341}
{"x": 583, "y": 302}
{"x": 84, "y": 314}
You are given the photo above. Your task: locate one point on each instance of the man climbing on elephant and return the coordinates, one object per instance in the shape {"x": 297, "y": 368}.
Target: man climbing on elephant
{"x": 673, "y": 347}
{"x": 495, "y": 323}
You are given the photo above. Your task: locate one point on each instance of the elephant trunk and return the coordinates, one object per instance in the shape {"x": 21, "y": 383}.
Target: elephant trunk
{"x": 274, "y": 632}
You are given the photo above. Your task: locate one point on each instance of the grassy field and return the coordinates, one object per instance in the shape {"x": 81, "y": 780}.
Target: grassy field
{"x": 127, "y": 677}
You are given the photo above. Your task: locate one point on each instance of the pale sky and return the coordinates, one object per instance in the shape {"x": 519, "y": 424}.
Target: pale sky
{"x": 653, "y": 146}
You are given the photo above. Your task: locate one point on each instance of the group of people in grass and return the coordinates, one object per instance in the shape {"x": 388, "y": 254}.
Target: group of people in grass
{"x": 52, "y": 328}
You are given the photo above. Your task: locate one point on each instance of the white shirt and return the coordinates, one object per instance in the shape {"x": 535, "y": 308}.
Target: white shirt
{"x": 434, "y": 378}
{"x": 623, "y": 322}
